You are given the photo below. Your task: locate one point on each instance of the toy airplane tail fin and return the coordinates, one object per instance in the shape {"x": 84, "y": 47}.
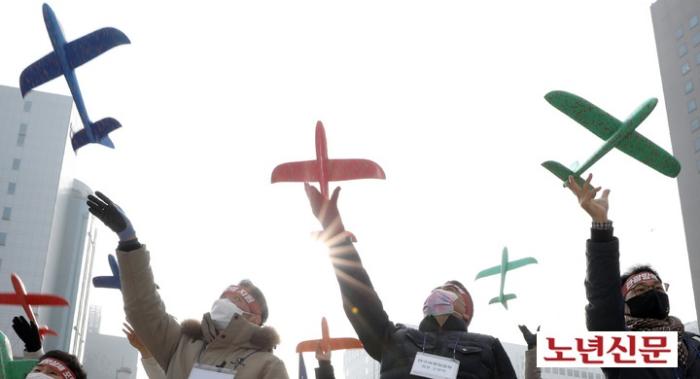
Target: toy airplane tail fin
{"x": 100, "y": 131}
{"x": 561, "y": 172}
{"x": 503, "y": 301}
{"x": 44, "y": 330}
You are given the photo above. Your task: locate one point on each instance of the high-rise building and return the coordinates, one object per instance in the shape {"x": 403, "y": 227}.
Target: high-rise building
{"x": 107, "y": 357}
{"x": 46, "y": 232}
{"x": 677, "y": 32}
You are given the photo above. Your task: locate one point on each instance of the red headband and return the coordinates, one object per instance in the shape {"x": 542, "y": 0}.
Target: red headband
{"x": 645, "y": 277}
{"x": 62, "y": 368}
{"x": 253, "y": 305}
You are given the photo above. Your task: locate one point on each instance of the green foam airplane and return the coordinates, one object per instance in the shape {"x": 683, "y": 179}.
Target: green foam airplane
{"x": 9, "y": 368}
{"x": 502, "y": 269}
{"x": 616, "y": 133}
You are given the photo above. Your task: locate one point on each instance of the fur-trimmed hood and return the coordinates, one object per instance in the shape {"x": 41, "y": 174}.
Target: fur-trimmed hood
{"x": 261, "y": 337}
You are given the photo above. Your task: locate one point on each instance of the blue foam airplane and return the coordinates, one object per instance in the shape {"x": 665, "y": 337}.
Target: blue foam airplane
{"x": 62, "y": 61}
{"x": 109, "y": 281}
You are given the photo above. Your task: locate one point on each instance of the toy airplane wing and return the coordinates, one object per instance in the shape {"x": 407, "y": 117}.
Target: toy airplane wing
{"x": 77, "y": 52}
{"x": 334, "y": 344}
{"x": 651, "y": 154}
{"x": 41, "y": 299}
{"x": 338, "y": 169}
{"x": 604, "y": 125}
{"x": 521, "y": 262}
{"x": 109, "y": 281}
{"x": 91, "y": 45}
{"x": 488, "y": 272}
{"x": 11, "y": 298}
{"x": 39, "y": 72}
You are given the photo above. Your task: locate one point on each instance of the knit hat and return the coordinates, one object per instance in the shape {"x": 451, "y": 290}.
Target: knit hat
{"x": 252, "y": 296}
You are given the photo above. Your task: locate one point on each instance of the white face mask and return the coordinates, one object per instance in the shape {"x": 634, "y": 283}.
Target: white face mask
{"x": 38, "y": 375}
{"x": 222, "y": 312}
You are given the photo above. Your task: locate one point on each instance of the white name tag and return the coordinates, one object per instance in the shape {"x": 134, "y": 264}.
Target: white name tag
{"x": 434, "y": 366}
{"x": 200, "y": 371}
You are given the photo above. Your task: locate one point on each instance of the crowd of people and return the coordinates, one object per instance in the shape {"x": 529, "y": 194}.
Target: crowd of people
{"x": 232, "y": 339}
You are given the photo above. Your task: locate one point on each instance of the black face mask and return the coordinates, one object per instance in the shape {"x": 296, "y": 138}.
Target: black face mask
{"x": 651, "y": 304}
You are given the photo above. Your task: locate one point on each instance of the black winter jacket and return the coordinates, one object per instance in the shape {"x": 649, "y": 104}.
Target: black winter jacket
{"x": 605, "y": 308}
{"x": 395, "y": 345}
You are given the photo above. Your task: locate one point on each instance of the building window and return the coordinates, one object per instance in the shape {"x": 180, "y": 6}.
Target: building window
{"x": 697, "y": 164}
{"x": 6, "y": 213}
{"x": 15, "y": 164}
{"x": 697, "y": 58}
{"x": 692, "y": 106}
{"x": 22, "y": 134}
{"x": 693, "y": 22}
{"x": 685, "y": 68}
{"x": 682, "y": 50}
{"x": 11, "y": 187}
{"x": 695, "y": 125}
{"x": 3, "y": 239}
{"x": 679, "y": 33}
{"x": 27, "y": 106}
{"x": 696, "y": 39}
{"x": 688, "y": 87}
{"x": 697, "y": 145}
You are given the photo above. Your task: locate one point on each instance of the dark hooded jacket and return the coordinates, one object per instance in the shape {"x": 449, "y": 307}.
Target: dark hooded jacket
{"x": 395, "y": 345}
{"x": 605, "y": 308}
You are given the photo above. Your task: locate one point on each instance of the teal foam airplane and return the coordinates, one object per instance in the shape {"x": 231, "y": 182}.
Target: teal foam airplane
{"x": 616, "y": 133}
{"x": 502, "y": 269}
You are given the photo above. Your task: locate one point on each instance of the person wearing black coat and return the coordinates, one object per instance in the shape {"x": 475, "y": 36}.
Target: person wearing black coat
{"x": 635, "y": 301}
{"x": 442, "y": 333}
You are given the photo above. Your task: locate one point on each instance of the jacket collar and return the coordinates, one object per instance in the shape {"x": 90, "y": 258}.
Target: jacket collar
{"x": 429, "y": 324}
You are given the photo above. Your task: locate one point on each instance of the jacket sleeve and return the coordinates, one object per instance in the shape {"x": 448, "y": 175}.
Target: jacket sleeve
{"x": 605, "y": 308}
{"x": 158, "y": 330}
{"x": 504, "y": 367}
{"x": 153, "y": 369}
{"x": 324, "y": 370}
{"x": 274, "y": 370}
{"x": 360, "y": 301}
{"x": 531, "y": 369}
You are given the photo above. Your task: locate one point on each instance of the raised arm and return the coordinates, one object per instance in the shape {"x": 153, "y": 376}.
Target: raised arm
{"x": 360, "y": 301}
{"x": 605, "y": 308}
{"x": 144, "y": 309}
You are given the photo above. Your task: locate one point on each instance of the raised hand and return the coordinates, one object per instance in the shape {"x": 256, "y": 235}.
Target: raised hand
{"x": 325, "y": 210}
{"x": 28, "y": 332}
{"x": 597, "y": 208}
{"x": 530, "y": 338}
{"x": 111, "y": 215}
{"x": 322, "y": 354}
{"x": 135, "y": 341}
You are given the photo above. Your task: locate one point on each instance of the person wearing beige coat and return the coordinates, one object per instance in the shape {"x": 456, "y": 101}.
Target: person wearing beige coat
{"x": 236, "y": 342}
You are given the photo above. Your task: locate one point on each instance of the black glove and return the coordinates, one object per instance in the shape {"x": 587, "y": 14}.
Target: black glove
{"x": 111, "y": 215}
{"x": 28, "y": 333}
{"x": 530, "y": 339}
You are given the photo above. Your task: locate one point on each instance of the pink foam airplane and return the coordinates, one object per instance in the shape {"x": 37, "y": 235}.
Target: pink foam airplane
{"x": 327, "y": 343}
{"x": 26, "y": 300}
{"x": 324, "y": 170}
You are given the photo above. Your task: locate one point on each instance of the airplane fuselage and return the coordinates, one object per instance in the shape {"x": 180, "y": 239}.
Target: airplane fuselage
{"x": 322, "y": 158}
{"x": 628, "y": 127}
{"x": 22, "y": 294}
{"x": 58, "y": 42}
{"x": 504, "y": 270}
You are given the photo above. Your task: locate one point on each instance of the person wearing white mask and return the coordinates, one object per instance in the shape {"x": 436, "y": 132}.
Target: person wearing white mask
{"x": 230, "y": 341}
{"x": 57, "y": 364}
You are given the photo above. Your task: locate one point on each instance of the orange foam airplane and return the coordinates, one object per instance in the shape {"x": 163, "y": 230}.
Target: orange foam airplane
{"x": 26, "y": 300}
{"x": 324, "y": 170}
{"x": 327, "y": 343}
